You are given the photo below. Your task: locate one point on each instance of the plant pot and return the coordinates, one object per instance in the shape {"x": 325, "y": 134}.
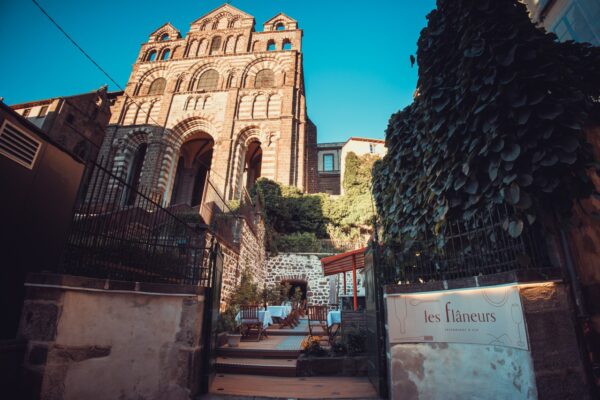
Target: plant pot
{"x": 233, "y": 339}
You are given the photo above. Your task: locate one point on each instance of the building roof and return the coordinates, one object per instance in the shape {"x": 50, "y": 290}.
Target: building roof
{"x": 343, "y": 262}
{"x": 51, "y": 99}
{"x": 363, "y": 139}
{"x": 332, "y": 144}
{"x": 355, "y": 138}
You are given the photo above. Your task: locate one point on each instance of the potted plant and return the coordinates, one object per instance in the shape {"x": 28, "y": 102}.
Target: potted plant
{"x": 230, "y": 325}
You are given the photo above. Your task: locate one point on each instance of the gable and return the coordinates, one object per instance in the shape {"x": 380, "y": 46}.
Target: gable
{"x": 281, "y": 18}
{"x": 223, "y": 17}
{"x": 164, "y": 29}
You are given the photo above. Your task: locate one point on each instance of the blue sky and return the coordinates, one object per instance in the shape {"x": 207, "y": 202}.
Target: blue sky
{"x": 356, "y": 53}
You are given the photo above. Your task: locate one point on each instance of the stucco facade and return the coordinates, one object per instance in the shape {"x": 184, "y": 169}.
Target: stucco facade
{"x": 224, "y": 103}
{"x": 570, "y": 19}
{"x": 77, "y": 123}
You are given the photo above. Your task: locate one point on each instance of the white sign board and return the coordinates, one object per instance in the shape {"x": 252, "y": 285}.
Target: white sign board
{"x": 491, "y": 315}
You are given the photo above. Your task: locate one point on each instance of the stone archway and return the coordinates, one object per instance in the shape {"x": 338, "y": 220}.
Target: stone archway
{"x": 301, "y": 284}
{"x": 252, "y": 163}
{"x": 193, "y": 169}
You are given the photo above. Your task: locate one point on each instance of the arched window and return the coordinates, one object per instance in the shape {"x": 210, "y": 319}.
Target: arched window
{"x": 165, "y": 36}
{"x": 208, "y": 80}
{"x": 287, "y": 45}
{"x": 271, "y": 45}
{"x": 215, "y": 45}
{"x": 151, "y": 56}
{"x": 157, "y": 86}
{"x": 280, "y": 26}
{"x": 264, "y": 78}
{"x": 230, "y": 81}
{"x": 165, "y": 55}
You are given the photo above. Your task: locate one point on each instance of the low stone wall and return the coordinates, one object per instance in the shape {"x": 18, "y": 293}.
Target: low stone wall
{"x": 306, "y": 267}
{"x": 100, "y": 339}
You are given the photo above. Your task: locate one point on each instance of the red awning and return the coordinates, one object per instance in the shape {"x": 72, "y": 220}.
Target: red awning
{"x": 341, "y": 263}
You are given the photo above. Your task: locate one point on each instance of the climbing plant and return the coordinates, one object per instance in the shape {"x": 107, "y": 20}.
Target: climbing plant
{"x": 298, "y": 220}
{"x": 497, "y": 120}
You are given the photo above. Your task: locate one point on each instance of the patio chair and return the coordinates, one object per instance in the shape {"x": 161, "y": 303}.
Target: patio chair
{"x": 249, "y": 321}
{"x": 317, "y": 317}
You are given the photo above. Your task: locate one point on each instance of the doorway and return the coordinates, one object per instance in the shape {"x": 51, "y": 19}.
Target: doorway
{"x": 193, "y": 170}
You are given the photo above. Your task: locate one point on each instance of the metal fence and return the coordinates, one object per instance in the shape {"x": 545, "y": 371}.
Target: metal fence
{"x": 482, "y": 246}
{"x": 122, "y": 233}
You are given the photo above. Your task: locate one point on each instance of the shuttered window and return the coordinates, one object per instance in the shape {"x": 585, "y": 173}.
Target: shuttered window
{"x": 18, "y": 145}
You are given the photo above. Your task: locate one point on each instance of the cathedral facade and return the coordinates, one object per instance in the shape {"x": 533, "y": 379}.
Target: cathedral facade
{"x": 223, "y": 105}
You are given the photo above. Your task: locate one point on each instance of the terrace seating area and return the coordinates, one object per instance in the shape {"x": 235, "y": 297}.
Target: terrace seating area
{"x": 268, "y": 368}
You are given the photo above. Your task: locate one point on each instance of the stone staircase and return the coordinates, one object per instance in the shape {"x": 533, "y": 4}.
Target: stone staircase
{"x": 275, "y": 355}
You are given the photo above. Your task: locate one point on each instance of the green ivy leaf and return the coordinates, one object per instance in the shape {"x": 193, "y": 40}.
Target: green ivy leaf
{"x": 511, "y": 152}
{"x": 515, "y": 228}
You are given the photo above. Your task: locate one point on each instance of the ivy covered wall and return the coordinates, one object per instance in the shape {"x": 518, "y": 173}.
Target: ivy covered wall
{"x": 497, "y": 120}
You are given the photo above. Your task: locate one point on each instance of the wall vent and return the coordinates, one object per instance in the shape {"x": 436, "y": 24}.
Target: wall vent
{"x": 18, "y": 145}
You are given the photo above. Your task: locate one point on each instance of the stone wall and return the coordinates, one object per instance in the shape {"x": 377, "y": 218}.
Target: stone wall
{"x": 100, "y": 339}
{"x": 305, "y": 267}
{"x": 249, "y": 253}
{"x": 550, "y": 318}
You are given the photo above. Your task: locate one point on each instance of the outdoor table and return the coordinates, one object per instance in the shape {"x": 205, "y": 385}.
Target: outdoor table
{"x": 279, "y": 311}
{"x": 263, "y": 315}
{"x": 334, "y": 317}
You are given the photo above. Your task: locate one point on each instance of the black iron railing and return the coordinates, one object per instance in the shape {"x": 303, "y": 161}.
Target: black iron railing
{"x": 481, "y": 246}
{"x": 123, "y": 233}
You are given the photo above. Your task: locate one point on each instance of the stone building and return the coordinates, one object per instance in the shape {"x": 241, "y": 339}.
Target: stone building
{"x": 77, "y": 123}
{"x": 225, "y": 103}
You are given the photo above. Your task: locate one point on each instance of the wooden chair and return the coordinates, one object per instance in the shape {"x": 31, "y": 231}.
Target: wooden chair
{"x": 249, "y": 321}
{"x": 290, "y": 319}
{"x": 317, "y": 317}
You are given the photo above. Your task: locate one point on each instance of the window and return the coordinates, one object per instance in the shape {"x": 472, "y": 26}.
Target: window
{"x": 271, "y": 45}
{"x": 157, "y": 86}
{"x": 328, "y": 162}
{"x": 287, "y": 45}
{"x": 151, "y": 56}
{"x": 280, "y": 26}
{"x": 26, "y": 112}
{"x": 372, "y": 148}
{"x": 264, "y": 78}
{"x": 215, "y": 45}
{"x": 208, "y": 80}
{"x": 578, "y": 22}
{"x": 165, "y": 55}
{"x": 164, "y": 37}
{"x": 43, "y": 112}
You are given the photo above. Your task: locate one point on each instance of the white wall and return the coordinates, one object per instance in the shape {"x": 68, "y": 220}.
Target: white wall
{"x": 460, "y": 371}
